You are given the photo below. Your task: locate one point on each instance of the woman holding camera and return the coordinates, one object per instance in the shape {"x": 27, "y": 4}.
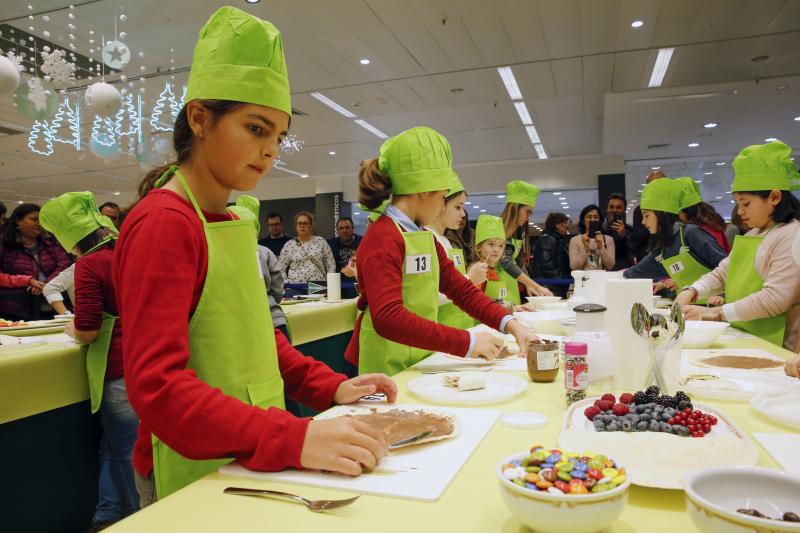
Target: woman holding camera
{"x": 591, "y": 250}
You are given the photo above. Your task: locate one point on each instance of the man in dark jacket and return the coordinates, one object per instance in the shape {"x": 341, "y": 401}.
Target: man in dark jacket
{"x": 551, "y": 253}
{"x": 621, "y": 232}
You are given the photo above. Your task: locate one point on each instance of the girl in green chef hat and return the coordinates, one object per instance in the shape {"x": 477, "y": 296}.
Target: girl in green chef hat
{"x": 520, "y": 200}
{"x": 450, "y": 217}
{"x": 401, "y": 269}
{"x": 204, "y": 368}
{"x": 760, "y": 279}
{"x": 683, "y": 252}
{"x": 80, "y": 228}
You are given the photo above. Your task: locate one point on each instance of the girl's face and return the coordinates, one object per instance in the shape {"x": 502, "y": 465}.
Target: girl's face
{"x": 756, "y": 212}
{"x": 454, "y": 211}
{"x": 650, "y": 221}
{"x": 29, "y": 226}
{"x": 525, "y": 213}
{"x": 303, "y": 226}
{"x": 591, "y": 216}
{"x": 241, "y": 145}
{"x": 491, "y": 250}
{"x": 431, "y": 205}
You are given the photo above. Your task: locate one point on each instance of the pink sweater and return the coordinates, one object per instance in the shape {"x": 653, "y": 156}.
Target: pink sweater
{"x": 781, "y": 291}
{"x": 578, "y": 256}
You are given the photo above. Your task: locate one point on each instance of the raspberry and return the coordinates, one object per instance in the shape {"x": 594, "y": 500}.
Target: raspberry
{"x": 604, "y": 405}
{"x": 620, "y": 409}
{"x": 609, "y": 397}
{"x": 626, "y": 398}
{"x": 591, "y": 412}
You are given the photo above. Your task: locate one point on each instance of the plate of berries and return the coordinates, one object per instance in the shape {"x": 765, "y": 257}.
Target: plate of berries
{"x": 663, "y": 436}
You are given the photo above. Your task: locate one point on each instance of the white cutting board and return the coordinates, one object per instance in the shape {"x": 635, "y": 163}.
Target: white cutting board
{"x": 783, "y": 448}
{"x": 420, "y": 472}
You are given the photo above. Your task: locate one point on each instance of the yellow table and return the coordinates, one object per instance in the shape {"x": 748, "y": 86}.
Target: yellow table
{"x": 471, "y": 503}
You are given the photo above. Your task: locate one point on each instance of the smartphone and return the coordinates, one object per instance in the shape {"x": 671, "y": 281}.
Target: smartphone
{"x": 594, "y": 227}
{"x": 618, "y": 217}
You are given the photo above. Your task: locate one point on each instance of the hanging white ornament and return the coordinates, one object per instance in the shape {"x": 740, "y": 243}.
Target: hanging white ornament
{"x": 45, "y": 18}
{"x": 123, "y": 78}
{"x": 46, "y": 48}
{"x": 123, "y": 35}
{"x": 55, "y": 65}
{"x": 102, "y": 99}
{"x": 116, "y": 55}
{"x": 36, "y": 99}
{"x": 71, "y": 26}
{"x": 9, "y": 75}
{"x": 123, "y": 17}
{"x": 46, "y": 33}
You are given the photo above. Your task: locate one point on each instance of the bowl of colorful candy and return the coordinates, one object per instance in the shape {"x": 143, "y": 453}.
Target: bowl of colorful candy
{"x": 743, "y": 499}
{"x": 557, "y": 491}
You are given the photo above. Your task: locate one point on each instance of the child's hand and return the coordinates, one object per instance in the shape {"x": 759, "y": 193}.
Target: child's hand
{"x": 477, "y": 273}
{"x": 343, "y": 445}
{"x": 716, "y": 300}
{"x": 792, "y": 367}
{"x": 524, "y": 307}
{"x": 356, "y": 388}
{"x": 487, "y": 345}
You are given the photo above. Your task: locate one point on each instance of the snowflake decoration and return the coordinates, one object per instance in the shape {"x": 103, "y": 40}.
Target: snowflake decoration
{"x": 17, "y": 60}
{"x": 37, "y": 94}
{"x": 292, "y": 144}
{"x": 56, "y": 66}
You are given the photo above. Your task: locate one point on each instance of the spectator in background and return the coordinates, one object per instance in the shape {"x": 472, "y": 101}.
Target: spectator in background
{"x": 736, "y": 226}
{"x": 308, "y": 257}
{"x": 345, "y": 243}
{"x": 275, "y": 239}
{"x": 641, "y": 235}
{"x": 112, "y": 211}
{"x": 621, "y": 232}
{"x": 551, "y": 253}
{"x": 462, "y": 238}
{"x": 591, "y": 249}
{"x": 27, "y": 251}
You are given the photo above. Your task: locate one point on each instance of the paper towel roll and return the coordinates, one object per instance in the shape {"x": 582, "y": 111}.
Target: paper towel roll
{"x": 334, "y": 286}
{"x": 630, "y": 350}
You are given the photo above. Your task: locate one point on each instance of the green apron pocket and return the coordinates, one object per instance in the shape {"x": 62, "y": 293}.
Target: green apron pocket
{"x": 267, "y": 394}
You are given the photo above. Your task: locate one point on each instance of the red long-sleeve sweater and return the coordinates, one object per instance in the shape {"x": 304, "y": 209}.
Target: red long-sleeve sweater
{"x": 12, "y": 281}
{"x": 94, "y": 293}
{"x": 160, "y": 265}
{"x": 380, "y": 284}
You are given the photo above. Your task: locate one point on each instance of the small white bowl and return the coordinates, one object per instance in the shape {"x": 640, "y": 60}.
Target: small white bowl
{"x": 558, "y": 306}
{"x": 550, "y": 513}
{"x": 701, "y": 333}
{"x": 568, "y": 325}
{"x": 540, "y": 301}
{"x": 547, "y": 322}
{"x": 714, "y": 494}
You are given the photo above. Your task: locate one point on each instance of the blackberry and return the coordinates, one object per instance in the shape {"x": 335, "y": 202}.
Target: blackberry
{"x": 653, "y": 389}
{"x": 682, "y": 396}
{"x": 652, "y": 397}
{"x": 667, "y": 401}
{"x": 685, "y": 405}
{"x": 639, "y": 398}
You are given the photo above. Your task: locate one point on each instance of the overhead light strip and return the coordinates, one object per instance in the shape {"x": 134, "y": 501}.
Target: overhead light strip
{"x": 660, "y": 68}
{"x": 333, "y": 105}
{"x": 370, "y": 128}
{"x": 507, "y": 75}
{"x": 522, "y": 111}
{"x": 512, "y": 88}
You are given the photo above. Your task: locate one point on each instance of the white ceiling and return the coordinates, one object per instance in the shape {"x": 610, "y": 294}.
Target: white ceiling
{"x": 579, "y": 64}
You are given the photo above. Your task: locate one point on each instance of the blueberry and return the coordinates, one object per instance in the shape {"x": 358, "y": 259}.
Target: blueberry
{"x": 644, "y": 417}
{"x": 683, "y": 431}
{"x": 665, "y": 416}
{"x": 634, "y": 408}
{"x": 642, "y": 426}
{"x": 612, "y": 427}
{"x": 654, "y": 426}
{"x": 666, "y": 428}
{"x": 627, "y": 425}
{"x": 599, "y": 425}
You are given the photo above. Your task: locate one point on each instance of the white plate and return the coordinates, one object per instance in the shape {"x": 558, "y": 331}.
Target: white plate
{"x": 36, "y": 324}
{"x": 783, "y": 408}
{"x": 660, "y": 460}
{"x": 739, "y": 388}
{"x": 499, "y": 388}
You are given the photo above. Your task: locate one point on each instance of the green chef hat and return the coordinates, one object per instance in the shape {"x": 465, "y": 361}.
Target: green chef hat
{"x": 765, "y": 167}
{"x": 417, "y": 160}
{"x": 521, "y": 192}
{"x": 73, "y": 216}
{"x": 239, "y": 57}
{"x": 690, "y": 192}
{"x": 455, "y": 185}
{"x": 662, "y": 195}
{"x": 489, "y": 227}
{"x": 247, "y": 208}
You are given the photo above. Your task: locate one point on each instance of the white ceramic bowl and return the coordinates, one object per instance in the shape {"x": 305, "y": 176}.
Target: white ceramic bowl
{"x": 714, "y": 494}
{"x": 549, "y": 513}
{"x": 539, "y": 301}
{"x": 702, "y": 334}
{"x": 558, "y": 306}
{"x": 548, "y": 322}
{"x": 568, "y": 325}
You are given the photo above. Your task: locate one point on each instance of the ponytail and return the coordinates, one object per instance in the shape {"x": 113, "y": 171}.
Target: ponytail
{"x": 374, "y": 186}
